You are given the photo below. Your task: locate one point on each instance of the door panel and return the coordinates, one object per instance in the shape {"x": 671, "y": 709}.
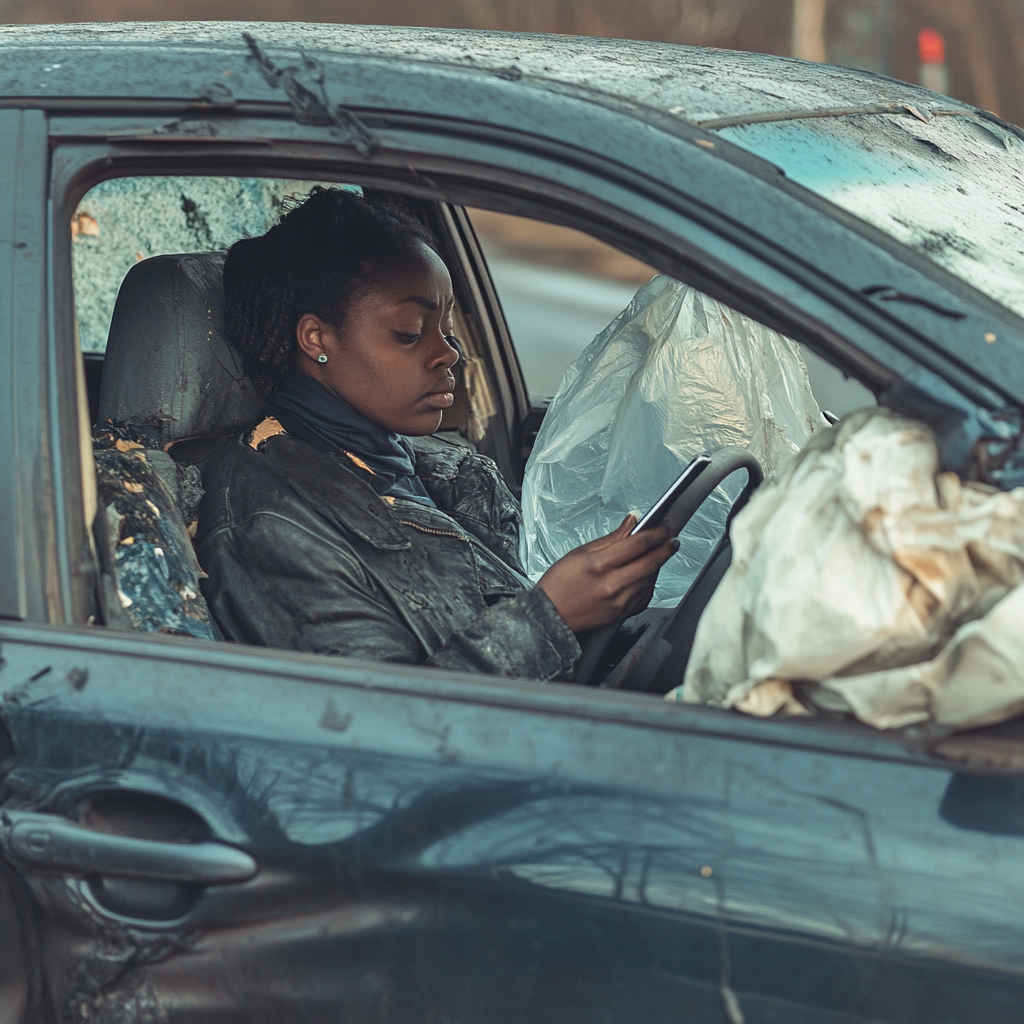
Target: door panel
{"x": 437, "y": 847}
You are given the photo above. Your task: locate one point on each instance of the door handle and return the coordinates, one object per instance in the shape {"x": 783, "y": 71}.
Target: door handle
{"x": 50, "y": 843}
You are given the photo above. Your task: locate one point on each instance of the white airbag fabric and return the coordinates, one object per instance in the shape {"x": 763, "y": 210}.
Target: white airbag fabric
{"x": 865, "y": 580}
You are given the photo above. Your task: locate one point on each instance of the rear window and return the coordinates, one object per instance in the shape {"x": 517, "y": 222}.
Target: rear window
{"x": 125, "y": 220}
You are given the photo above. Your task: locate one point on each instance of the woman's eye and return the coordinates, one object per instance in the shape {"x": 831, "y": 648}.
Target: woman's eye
{"x": 408, "y": 339}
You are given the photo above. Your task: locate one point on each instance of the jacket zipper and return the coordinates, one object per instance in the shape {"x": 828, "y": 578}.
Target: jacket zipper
{"x": 436, "y": 533}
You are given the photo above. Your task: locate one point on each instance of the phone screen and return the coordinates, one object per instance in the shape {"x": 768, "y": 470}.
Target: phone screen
{"x": 657, "y": 511}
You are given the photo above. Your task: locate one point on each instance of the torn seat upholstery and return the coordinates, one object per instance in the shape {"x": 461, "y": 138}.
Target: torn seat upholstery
{"x": 168, "y": 374}
{"x": 146, "y": 550}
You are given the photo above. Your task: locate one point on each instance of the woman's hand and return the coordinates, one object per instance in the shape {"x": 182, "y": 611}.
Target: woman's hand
{"x": 610, "y": 578}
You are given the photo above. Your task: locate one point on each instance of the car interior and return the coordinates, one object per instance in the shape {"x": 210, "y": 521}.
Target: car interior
{"x": 164, "y": 367}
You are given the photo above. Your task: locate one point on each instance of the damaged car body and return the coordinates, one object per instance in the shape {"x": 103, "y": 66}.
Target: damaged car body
{"x": 198, "y": 831}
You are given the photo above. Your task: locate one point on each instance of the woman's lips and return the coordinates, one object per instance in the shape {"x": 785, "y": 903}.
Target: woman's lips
{"x": 440, "y": 399}
{"x": 442, "y": 396}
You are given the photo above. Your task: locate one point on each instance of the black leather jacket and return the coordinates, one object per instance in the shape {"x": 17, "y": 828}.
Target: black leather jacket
{"x": 302, "y": 554}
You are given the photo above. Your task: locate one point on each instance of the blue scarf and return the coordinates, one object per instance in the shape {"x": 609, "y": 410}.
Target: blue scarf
{"x": 304, "y": 407}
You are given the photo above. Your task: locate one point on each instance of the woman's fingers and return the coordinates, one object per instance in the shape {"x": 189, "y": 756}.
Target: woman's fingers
{"x": 639, "y": 598}
{"x": 623, "y": 584}
{"x": 621, "y": 531}
{"x": 625, "y": 549}
{"x": 650, "y": 562}
{"x": 609, "y": 578}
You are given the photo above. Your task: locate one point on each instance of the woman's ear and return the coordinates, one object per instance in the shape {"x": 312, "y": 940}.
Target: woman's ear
{"x": 309, "y": 336}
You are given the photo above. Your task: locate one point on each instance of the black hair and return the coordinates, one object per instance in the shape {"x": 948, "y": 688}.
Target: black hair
{"x": 327, "y": 250}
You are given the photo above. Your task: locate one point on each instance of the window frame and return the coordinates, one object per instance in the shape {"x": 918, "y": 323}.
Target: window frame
{"x": 39, "y": 542}
{"x": 505, "y": 179}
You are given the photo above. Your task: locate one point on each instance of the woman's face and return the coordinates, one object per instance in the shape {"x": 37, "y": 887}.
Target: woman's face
{"x": 390, "y": 360}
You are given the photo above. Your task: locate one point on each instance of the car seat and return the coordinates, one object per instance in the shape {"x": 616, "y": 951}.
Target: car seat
{"x": 168, "y": 374}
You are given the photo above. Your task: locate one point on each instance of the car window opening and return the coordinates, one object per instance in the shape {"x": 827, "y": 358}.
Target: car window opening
{"x": 422, "y": 512}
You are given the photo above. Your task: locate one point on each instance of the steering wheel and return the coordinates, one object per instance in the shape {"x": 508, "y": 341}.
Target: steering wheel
{"x": 724, "y": 463}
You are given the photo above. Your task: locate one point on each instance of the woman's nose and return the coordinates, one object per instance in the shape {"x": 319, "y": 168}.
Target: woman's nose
{"x": 456, "y": 346}
{"x": 448, "y": 353}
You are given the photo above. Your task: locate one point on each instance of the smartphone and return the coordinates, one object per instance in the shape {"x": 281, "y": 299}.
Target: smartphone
{"x": 657, "y": 511}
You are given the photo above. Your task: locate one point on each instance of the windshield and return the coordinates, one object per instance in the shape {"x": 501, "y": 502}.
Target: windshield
{"x": 952, "y": 188}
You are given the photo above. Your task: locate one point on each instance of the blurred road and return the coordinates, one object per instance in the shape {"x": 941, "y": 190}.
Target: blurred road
{"x": 554, "y": 314}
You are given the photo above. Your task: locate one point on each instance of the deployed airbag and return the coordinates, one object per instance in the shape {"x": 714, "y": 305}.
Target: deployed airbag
{"x": 864, "y": 580}
{"x": 674, "y": 375}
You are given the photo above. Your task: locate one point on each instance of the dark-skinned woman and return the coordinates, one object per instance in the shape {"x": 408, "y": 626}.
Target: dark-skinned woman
{"x": 340, "y": 526}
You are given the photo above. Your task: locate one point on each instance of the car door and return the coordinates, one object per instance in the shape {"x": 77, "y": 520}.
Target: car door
{"x": 211, "y": 833}
{"x": 232, "y": 835}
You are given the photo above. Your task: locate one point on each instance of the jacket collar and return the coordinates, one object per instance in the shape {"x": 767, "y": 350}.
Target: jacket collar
{"x": 327, "y": 485}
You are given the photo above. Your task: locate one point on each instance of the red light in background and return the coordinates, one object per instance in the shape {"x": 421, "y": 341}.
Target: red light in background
{"x": 931, "y": 46}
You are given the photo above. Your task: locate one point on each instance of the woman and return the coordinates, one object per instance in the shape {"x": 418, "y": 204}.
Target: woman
{"x": 339, "y": 525}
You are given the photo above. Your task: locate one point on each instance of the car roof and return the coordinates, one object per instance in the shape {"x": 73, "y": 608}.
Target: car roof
{"x": 634, "y": 104}
{"x": 695, "y": 83}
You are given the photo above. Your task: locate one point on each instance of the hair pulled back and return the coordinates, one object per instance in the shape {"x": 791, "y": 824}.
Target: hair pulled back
{"x": 327, "y": 250}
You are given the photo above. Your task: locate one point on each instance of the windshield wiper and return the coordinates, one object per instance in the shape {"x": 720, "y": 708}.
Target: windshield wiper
{"x": 307, "y": 106}
{"x": 886, "y": 293}
{"x": 801, "y": 115}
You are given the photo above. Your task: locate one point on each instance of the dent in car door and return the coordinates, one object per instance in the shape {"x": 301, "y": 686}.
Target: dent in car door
{"x": 437, "y": 847}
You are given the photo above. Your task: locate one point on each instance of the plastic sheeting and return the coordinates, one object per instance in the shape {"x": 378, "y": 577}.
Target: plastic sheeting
{"x": 866, "y": 581}
{"x": 674, "y": 375}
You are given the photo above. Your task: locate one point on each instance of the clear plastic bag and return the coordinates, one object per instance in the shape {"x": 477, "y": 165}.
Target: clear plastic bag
{"x": 674, "y": 375}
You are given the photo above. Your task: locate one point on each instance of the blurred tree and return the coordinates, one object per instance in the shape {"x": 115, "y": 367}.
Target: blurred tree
{"x": 984, "y": 49}
{"x": 808, "y": 30}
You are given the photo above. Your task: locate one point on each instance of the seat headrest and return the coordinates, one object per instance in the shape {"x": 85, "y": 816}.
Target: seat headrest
{"x": 168, "y": 368}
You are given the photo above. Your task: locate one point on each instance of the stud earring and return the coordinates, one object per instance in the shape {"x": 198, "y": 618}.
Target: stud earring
{"x": 322, "y": 358}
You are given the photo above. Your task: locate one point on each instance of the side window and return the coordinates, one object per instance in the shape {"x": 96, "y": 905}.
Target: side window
{"x": 559, "y": 288}
{"x": 675, "y": 375}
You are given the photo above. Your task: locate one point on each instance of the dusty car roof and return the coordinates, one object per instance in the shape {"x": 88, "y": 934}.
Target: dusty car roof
{"x": 696, "y": 83}
{"x": 625, "y": 104}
